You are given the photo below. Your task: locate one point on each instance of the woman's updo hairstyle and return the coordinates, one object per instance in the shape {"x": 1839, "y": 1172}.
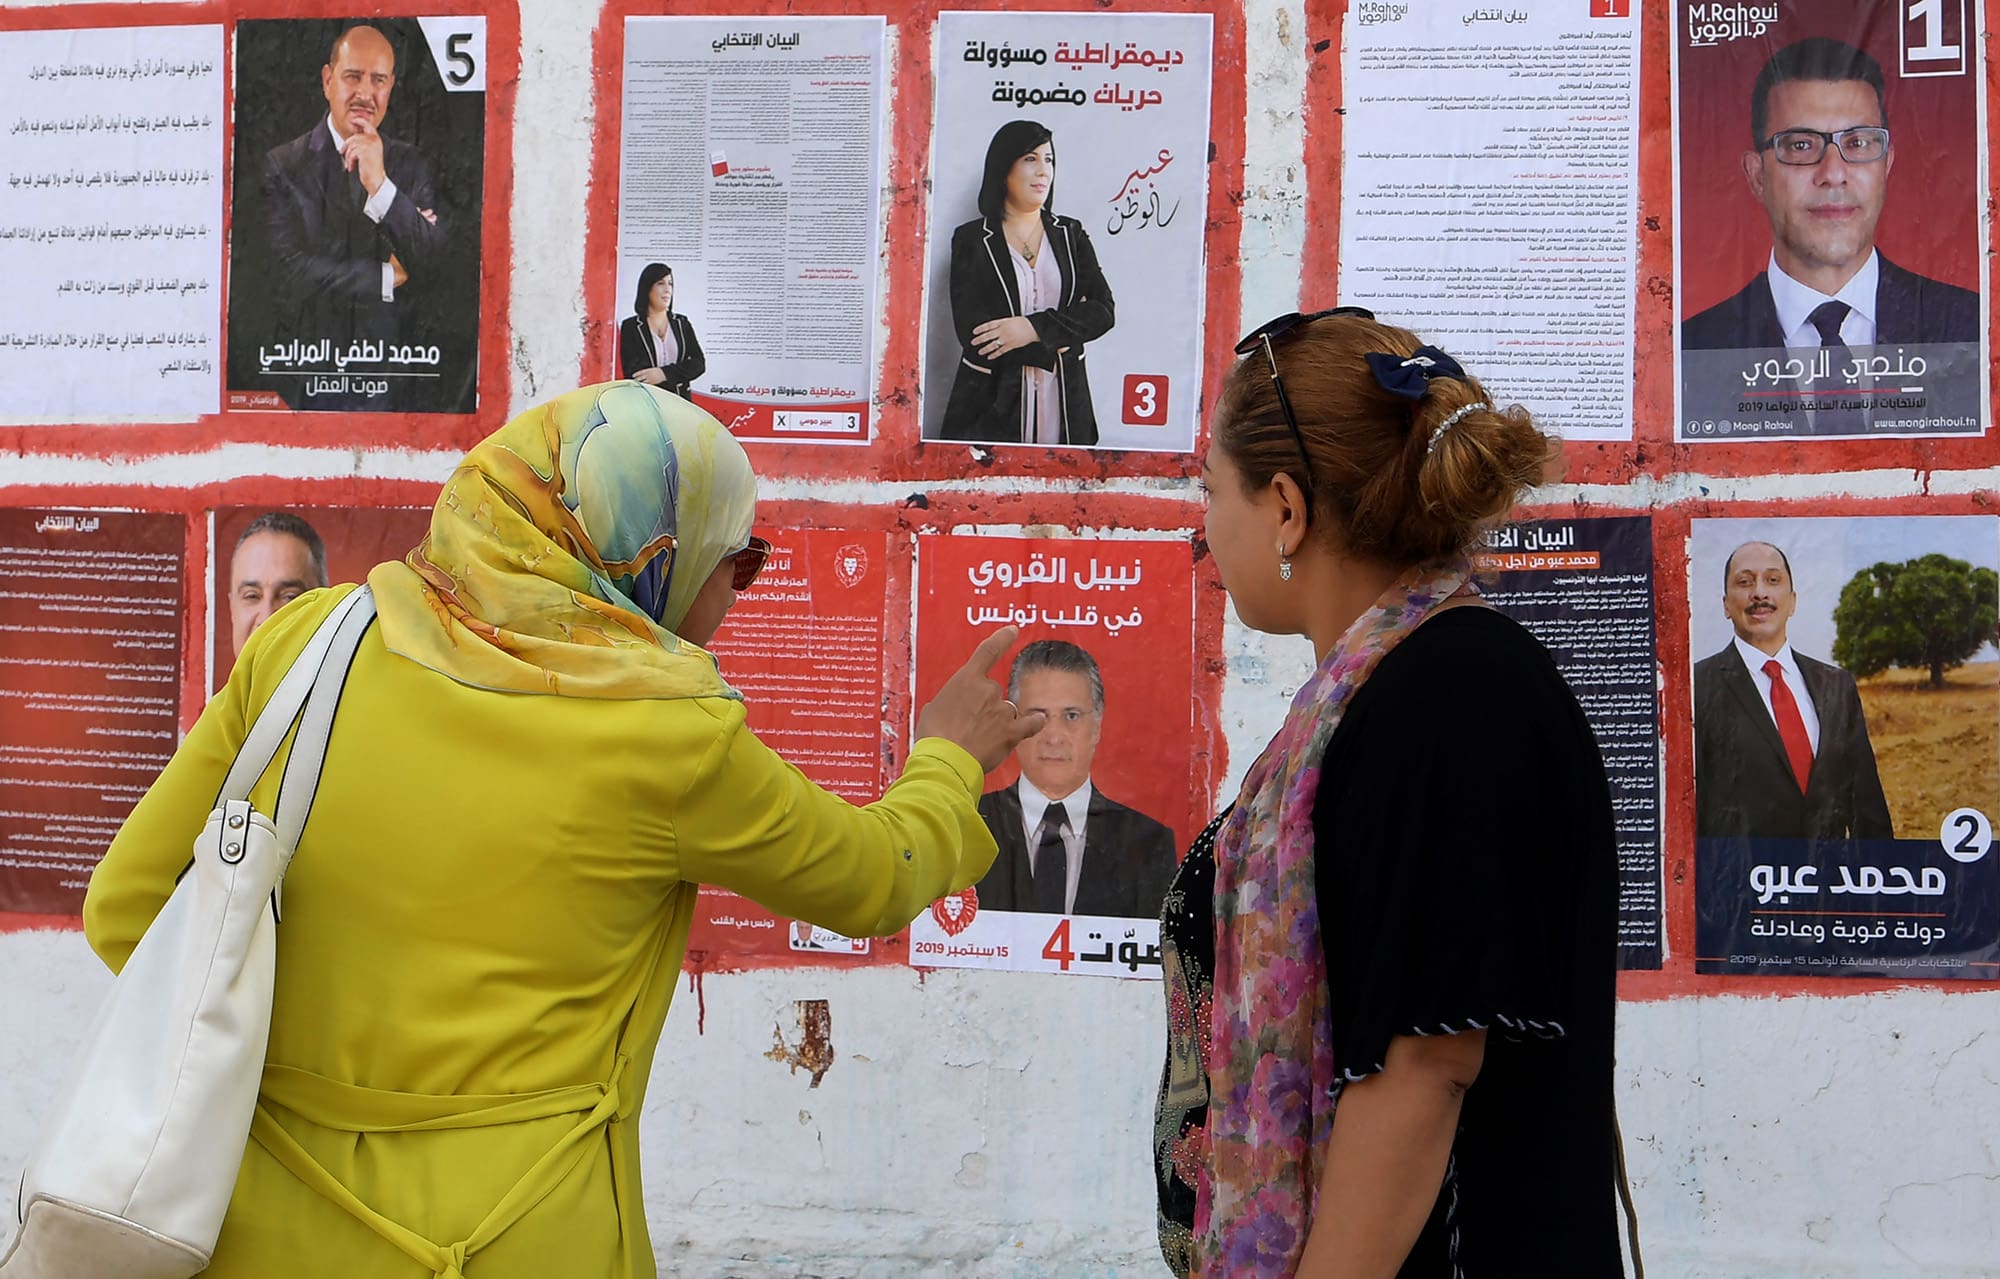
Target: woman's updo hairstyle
{"x": 1380, "y": 482}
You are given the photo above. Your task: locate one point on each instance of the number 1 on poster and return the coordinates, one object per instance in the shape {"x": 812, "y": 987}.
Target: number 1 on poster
{"x": 1933, "y": 38}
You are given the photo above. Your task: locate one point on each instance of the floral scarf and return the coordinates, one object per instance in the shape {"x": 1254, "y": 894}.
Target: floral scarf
{"x": 1270, "y": 1062}
{"x": 568, "y": 545}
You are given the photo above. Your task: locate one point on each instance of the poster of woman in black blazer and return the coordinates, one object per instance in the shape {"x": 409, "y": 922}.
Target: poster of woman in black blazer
{"x": 656, "y": 344}
{"x": 1026, "y": 296}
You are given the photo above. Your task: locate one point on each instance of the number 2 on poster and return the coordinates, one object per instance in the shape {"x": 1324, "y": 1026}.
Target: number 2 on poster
{"x": 1966, "y": 835}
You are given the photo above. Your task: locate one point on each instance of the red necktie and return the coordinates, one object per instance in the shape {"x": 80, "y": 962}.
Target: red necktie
{"x": 1791, "y": 725}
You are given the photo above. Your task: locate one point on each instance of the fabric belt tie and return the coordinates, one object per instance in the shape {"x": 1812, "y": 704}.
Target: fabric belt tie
{"x": 328, "y": 1103}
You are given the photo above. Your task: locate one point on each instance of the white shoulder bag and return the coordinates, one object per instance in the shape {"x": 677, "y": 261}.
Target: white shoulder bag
{"x": 133, "y": 1168}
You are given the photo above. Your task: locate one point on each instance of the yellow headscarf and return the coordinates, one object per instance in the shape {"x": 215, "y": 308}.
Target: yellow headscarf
{"x": 567, "y": 547}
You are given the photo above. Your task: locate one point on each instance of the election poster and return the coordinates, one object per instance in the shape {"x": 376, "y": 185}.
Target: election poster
{"x": 264, "y": 557}
{"x": 749, "y": 219}
{"x": 805, "y": 647}
{"x": 91, "y": 603}
{"x": 111, "y": 224}
{"x": 1091, "y": 813}
{"x": 1829, "y": 240}
{"x": 1063, "y": 300}
{"x": 1489, "y": 194}
{"x": 1846, "y": 696}
{"x": 1584, "y": 588}
{"x": 354, "y": 262}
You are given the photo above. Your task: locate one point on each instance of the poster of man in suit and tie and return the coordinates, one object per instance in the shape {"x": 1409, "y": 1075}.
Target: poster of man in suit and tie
{"x": 354, "y": 281}
{"x": 1090, "y": 814}
{"x": 1846, "y": 699}
{"x": 1828, "y": 253}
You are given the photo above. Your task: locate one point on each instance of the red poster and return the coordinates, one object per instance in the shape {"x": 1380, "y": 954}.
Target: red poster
{"x": 1107, "y": 648}
{"x": 90, "y": 642}
{"x": 293, "y": 549}
{"x": 804, "y": 646}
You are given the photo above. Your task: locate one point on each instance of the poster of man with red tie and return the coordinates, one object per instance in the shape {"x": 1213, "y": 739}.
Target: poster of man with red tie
{"x": 1846, "y": 702}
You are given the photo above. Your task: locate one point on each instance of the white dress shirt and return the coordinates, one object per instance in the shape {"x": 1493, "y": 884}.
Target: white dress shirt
{"x": 377, "y": 208}
{"x": 1754, "y": 658}
{"x": 1796, "y": 303}
{"x": 1076, "y": 805}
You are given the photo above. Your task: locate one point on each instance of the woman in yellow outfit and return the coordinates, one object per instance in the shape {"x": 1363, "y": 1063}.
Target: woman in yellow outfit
{"x": 533, "y": 768}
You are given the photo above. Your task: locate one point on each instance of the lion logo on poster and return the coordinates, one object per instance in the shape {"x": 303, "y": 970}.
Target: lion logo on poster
{"x": 954, "y": 912}
{"x": 850, "y": 565}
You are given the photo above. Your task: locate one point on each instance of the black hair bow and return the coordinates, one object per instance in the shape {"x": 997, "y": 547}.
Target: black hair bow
{"x": 1410, "y": 376}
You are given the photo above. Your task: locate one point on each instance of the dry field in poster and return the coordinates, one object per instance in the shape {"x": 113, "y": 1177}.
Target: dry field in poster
{"x": 1937, "y": 748}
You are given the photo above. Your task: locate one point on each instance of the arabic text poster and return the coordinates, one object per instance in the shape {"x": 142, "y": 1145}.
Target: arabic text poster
{"x": 91, "y": 604}
{"x": 749, "y": 219}
{"x": 1846, "y": 698}
{"x": 1584, "y": 588}
{"x": 111, "y": 224}
{"x": 263, "y": 557}
{"x": 354, "y": 279}
{"x": 1101, "y": 795}
{"x": 1830, "y": 236}
{"x": 805, "y": 647}
{"x": 1063, "y": 300}
{"x": 1489, "y": 195}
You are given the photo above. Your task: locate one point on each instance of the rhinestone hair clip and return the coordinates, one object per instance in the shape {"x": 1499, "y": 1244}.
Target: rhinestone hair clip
{"x": 1458, "y": 415}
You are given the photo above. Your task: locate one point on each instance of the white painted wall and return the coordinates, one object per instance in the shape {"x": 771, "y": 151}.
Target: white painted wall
{"x": 999, "y": 1124}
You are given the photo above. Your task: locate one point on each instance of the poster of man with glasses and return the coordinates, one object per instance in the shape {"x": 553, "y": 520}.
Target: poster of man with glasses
{"x": 1829, "y": 254}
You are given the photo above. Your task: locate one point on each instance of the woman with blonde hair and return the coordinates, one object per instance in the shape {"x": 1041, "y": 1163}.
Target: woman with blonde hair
{"x": 1390, "y": 965}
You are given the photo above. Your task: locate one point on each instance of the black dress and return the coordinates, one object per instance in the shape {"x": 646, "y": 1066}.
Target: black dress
{"x": 1467, "y": 871}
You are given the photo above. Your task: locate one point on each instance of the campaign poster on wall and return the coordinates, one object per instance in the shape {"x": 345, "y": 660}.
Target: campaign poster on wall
{"x": 1489, "y": 194}
{"x": 1584, "y": 588}
{"x": 360, "y": 167}
{"x": 111, "y": 223}
{"x": 1847, "y": 745}
{"x": 1091, "y": 813}
{"x": 91, "y": 604}
{"x": 805, "y": 647}
{"x": 1063, "y": 299}
{"x": 750, "y": 170}
{"x": 263, "y": 557}
{"x": 1829, "y": 243}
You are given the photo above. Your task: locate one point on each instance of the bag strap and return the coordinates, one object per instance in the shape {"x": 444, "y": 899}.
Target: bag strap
{"x": 1625, "y": 1197}
{"x": 267, "y": 734}
{"x": 308, "y": 753}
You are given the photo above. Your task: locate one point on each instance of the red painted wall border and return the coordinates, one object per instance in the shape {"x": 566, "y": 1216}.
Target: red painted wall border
{"x": 286, "y": 427}
{"x": 1652, "y": 451}
{"x": 897, "y": 451}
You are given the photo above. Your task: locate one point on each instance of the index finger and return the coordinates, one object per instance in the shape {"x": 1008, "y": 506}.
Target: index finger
{"x": 991, "y": 649}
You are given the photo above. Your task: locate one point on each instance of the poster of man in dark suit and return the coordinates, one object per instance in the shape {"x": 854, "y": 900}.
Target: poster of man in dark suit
{"x": 1781, "y": 746}
{"x": 1066, "y": 847}
{"x": 1856, "y": 318}
{"x": 354, "y": 281}
{"x": 1819, "y": 162}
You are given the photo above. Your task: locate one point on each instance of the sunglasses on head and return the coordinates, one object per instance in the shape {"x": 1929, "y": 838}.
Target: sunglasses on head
{"x": 1263, "y": 335}
{"x": 749, "y": 562}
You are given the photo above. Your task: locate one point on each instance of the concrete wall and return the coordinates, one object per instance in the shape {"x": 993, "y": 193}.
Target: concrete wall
{"x": 998, "y": 1124}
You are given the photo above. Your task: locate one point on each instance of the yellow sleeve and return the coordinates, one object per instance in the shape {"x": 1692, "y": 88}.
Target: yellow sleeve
{"x": 752, "y": 823}
{"x": 138, "y": 872}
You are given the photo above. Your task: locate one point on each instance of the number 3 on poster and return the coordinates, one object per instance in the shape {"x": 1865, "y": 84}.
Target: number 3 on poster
{"x": 1145, "y": 400}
